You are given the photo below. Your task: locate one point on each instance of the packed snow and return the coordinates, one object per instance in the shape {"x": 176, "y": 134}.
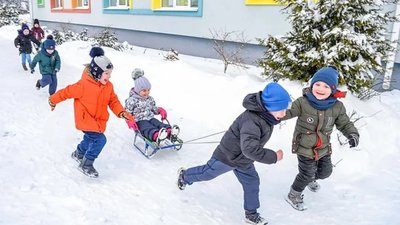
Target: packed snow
{"x": 40, "y": 183}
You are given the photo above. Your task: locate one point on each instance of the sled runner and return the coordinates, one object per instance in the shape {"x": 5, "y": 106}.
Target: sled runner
{"x": 148, "y": 148}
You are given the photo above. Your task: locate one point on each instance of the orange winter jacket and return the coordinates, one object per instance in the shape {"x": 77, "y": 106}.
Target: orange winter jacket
{"x": 91, "y": 99}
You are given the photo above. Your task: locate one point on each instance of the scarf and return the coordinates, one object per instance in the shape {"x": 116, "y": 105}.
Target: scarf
{"x": 270, "y": 119}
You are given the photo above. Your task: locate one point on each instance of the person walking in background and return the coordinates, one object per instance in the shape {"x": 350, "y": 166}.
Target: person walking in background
{"x": 37, "y": 31}
{"x": 49, "y": 65}
{"x": 243, "y": 144}
{"x": 92, "y": 95}
{"x": 317, "y": 111}
{"x": 24, "y": 45}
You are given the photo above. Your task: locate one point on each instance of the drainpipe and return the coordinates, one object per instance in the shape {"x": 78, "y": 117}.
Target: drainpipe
{"x": 394, "y": 37}
{"x": 31, "y": 9}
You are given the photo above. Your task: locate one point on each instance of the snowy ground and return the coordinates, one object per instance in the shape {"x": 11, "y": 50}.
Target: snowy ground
{"x": 41, "y": 185}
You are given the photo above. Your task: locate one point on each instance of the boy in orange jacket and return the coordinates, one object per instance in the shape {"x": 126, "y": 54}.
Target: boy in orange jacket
{"x": 92, "y": 94}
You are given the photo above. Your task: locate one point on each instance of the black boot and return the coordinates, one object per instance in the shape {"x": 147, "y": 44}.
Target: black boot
{"x": 38, "y": 84}
{"x": 86, "y": 167}
{"x": 24, "y": 66}
{"x": 76, "y": 156}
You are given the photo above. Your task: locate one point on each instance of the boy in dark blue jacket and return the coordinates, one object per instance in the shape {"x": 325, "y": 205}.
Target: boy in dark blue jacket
{"x": 24, "y": 45}
{"x": 243, "y": 144}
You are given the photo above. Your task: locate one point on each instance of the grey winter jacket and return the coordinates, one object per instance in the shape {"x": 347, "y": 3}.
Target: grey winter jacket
{"x": 141, "y": 108}
{"x": 312, "y": 123}
{"x": 243, "y": 143}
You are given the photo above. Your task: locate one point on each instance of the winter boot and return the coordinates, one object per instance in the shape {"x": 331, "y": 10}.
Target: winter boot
{"x": 38, "y": 84}
{"x": 76, "y": 156}
{"x": 174, "y": 133}
{"x": 295, "y": 199}
{"x": 86, "y": 167}
{"x": 255, "y": 218}
{"x": 181, "y": 182}
{"x": 24, "y": 66}
{"x": 162, "y": 135}
{"x": 314, "y": 186}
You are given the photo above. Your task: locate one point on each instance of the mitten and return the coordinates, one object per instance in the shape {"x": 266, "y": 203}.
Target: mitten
{"x": 132, "y": 125}
{"x": 52, "y": 105}
{"x": 162, "y": 112}
{"x": 32, "y": 71}
{"x": 353, "y": 140}
{"x": 126, "y": 116}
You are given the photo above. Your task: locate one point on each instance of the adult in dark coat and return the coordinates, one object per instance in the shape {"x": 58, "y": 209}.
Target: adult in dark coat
{"x": 24, "y": 45}
{"x": 243, "y": 144}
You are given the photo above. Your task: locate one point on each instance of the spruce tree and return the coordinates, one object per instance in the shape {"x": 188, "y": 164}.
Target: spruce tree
{"x": 350, "y": 35}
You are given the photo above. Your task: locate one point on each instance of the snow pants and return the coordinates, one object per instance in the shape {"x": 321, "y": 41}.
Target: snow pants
{"x": 310, "y": 169}
{"x": 91, "y": 145}
{"x": 149, "y": 127}
{"x": 248, "y": 178}
{"x": 51, "y": 80}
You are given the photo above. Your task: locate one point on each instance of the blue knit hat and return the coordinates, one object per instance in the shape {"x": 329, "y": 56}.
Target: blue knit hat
{"x": 49, "y": 44}
{"x": 24, "y": 27}
{"x": 275, "y": 97}
{"x": 327, "y": 75}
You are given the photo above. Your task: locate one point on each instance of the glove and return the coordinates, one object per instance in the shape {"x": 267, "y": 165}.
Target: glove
{"x": 163, "y": 113}
{"x": 126, "y": 116}
{"x": 32, "y": 71}
{"x": 353, "y": 140}
{"x": 52, "y": 105}
{"x": 132, "y": 125}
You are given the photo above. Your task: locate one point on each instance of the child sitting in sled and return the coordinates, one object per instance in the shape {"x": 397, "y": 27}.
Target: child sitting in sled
{"x": 144, "y": 108}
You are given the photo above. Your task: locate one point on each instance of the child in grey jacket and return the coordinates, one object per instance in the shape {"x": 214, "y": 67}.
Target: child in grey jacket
{"x": 144, "y": 108}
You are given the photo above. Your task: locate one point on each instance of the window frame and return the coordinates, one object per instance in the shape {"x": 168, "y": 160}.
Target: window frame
{"x": 118, "y": 6}
{"x": 262, "y": 2}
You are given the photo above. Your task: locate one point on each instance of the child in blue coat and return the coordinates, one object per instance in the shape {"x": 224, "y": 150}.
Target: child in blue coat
{"x": 242, "y": 144}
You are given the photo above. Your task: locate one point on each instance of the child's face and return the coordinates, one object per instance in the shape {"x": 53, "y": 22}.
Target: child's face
{"x": 105, "y": 77}
{"x": 144, "y": 93}
{"x": 25, "y": 32}
{"x": 321, "y": 90}
{"x": 50, "y": 51}
{"x": 278, "y": 114}
{"x": 36, "y": 25}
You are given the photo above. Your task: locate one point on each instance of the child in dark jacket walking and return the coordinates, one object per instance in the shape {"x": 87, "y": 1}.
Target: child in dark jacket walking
{"x": 92, "y": 95}
{"x": 37, "y": 31}
{"x": 243, "y": 144}
{"x": 317, "y": 111}
{"x": 24, "y": 45}
{"x": 49, "y": 65}
{"x": 143, "y": 107}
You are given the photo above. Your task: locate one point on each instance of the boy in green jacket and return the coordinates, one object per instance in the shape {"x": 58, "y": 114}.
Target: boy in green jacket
{"x": 49, "y": 64}
{"x": 317, "y": 111}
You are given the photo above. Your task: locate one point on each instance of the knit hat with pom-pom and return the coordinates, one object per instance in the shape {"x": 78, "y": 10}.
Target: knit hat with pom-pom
{"x": 99, "y": 63}
{"x": 141, "y": 82}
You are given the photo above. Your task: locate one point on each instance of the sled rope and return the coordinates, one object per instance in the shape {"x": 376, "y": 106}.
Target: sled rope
{"x": 191, "y": 141}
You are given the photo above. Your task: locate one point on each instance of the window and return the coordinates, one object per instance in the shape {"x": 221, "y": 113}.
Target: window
{"x": 40, "y": 2}
{"x": 180, "y": 3}
{"x": 59, "y": 4}
{"x": 83, "y": 3}
{"x": 116, "y": 3}
{"x": 261, "y": 2}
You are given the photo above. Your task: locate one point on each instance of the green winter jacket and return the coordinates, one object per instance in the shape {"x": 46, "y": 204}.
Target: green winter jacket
{"x": 48, "y": 64}
{"x": 312, "y": 123}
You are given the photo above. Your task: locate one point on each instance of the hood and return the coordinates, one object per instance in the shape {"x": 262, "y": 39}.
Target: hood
{"x": 253, "y": 102}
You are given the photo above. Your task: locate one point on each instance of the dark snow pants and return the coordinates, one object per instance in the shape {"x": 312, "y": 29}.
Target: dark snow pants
{"x": 310, "y": 169}
{"x": 149, "y": 127}
{"x": 51, "y": 80}
{"x": 213, "y": 168}
{"x": 91, "y": 145}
